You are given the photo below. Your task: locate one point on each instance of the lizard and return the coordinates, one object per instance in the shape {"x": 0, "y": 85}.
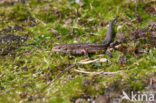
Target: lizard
{"x": 85, "y": 48}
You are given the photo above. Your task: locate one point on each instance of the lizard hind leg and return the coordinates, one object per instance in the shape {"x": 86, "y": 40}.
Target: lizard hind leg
{"x": 84, "y": 51}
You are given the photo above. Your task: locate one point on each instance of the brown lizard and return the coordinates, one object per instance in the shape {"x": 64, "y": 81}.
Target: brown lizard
{"x": 85, "y": 48}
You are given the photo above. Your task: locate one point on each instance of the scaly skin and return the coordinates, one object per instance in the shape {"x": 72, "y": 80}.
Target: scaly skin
{"x": 85, "y": 48}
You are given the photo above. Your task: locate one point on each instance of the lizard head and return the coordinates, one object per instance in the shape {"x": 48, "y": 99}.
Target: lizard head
{"x": 59, "y": 48}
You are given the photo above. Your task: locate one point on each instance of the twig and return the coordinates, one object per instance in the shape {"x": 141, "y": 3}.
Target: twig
{"x": 95, "y": 73}
{"x": 6, "y": 91}
{"x": 72, "y": 66}
{"x": 60, "y": 75}
{"x": 57, "y": 77}
{"x": 39, "y": 20}
{"x": 92, "y": 61}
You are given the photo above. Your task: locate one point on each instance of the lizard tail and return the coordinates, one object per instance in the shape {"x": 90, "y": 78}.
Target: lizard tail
{"x": 109, "y": 34}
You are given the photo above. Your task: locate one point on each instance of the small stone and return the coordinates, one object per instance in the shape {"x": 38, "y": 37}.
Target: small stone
{"x": 31, "y": 98}
{"x": 122, "y": 59}
{"x": 103, "y": 60}
{"x": 109, "y": 54}
{"x": 79, "y": 100}
{"x": 80, "y": 2}
{"x": 119, "y": 27}
{"x": 102, "y": 99}
{"x": 23, "y": 94}
{"x": 85, "y": 82}
{"x": 24, "y": 69}
{"x": 18, "y": 28}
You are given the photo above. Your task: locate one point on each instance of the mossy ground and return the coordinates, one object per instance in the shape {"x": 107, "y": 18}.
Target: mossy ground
{"x": 28, "y": 69}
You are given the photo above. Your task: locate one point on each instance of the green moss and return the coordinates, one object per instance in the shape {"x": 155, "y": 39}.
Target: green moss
{"x": 19, "y": 13}
{"x": 33, "y": 65}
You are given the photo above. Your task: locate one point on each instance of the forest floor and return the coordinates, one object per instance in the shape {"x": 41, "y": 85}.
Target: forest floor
{"x": 29, "y": 68}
